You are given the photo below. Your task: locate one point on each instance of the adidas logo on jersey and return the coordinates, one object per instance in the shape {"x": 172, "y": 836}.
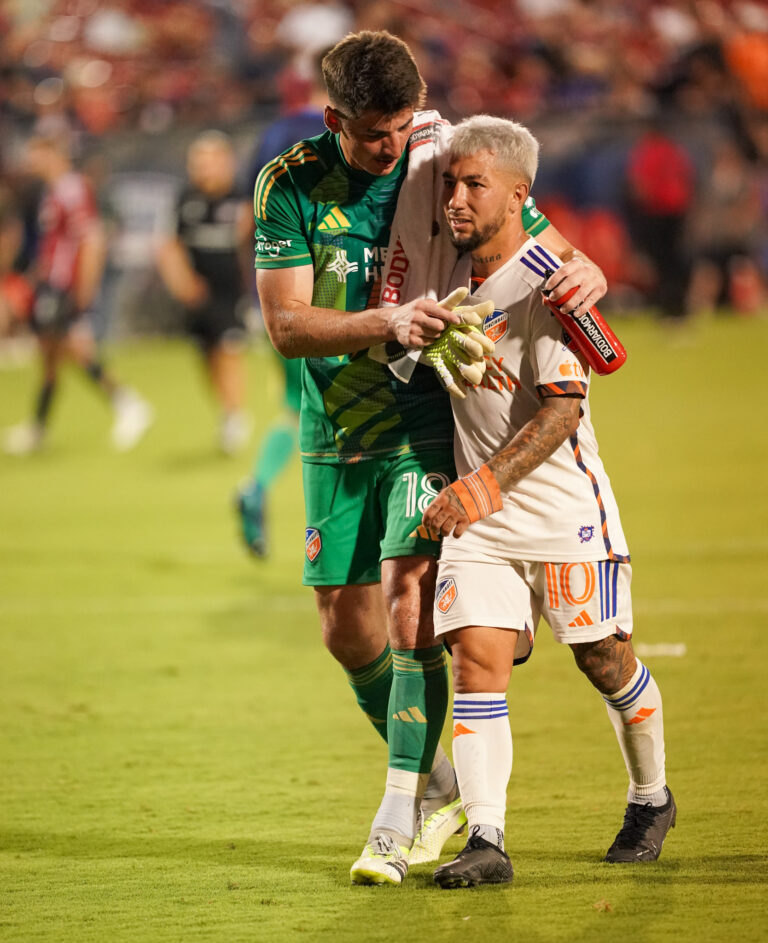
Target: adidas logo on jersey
{"x": 333, "y": 221}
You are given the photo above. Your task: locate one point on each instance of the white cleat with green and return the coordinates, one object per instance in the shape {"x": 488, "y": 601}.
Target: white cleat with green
{"x": 436, "y": 828}
{"x": 383, "y": 861}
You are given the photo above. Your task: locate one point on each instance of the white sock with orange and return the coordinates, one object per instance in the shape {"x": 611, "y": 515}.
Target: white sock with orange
{"x": 636, "y": 714}
{"x": 482, "y": 756}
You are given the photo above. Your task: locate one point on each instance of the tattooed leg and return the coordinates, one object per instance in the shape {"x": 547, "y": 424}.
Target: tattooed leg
{"x": 633, "y": 702}
{"x": 609, "y": 663}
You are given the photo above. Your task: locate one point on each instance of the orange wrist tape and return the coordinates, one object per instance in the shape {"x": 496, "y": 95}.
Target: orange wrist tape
{"x": 479, "y": 493}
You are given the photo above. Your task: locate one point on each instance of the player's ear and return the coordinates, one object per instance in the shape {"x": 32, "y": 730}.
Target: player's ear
{"x": 331, "y": 119}
{"x": 518, "y": 195}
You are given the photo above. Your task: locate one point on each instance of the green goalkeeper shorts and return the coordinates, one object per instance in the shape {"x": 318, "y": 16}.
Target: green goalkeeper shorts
{"x": 361, "y": 513}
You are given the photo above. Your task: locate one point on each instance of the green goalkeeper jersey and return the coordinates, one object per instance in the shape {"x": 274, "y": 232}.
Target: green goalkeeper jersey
{"x": 312, "y": 208}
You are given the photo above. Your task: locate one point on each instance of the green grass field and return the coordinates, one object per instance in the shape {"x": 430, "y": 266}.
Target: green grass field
{"x": 181, "y": 760}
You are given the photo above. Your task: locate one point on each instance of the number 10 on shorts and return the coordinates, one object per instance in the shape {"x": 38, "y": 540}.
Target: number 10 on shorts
{"x": 600, "y": 589}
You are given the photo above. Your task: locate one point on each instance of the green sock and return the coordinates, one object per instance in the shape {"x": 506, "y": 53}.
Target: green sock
{"x": 372, "y": 684}
{"x": 275, "y": 451}
{"x": 417, "y": 707}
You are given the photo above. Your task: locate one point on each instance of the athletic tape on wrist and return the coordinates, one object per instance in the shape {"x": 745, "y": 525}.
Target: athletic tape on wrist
{"x": 479, "y": 493}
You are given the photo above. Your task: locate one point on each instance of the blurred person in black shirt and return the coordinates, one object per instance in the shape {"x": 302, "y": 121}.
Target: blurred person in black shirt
{"x": 203, "y": 266}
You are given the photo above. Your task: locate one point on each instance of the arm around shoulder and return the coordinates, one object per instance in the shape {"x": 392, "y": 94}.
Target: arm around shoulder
{"x": 578, "y": 271}
{"x": 297, "y": 328}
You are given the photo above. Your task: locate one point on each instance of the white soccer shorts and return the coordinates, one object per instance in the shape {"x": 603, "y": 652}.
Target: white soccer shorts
{"x": 581, "y": 601}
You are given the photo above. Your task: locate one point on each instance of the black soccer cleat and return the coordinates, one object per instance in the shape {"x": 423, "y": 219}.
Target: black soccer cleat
{"x": 480, "y": 862}
{"x": 643, "y": 832}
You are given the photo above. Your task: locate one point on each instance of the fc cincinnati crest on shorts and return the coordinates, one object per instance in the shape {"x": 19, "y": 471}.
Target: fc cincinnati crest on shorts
{"x": 495, "y": 325}
{"x": 586, "y": 533}
{"x": 446, "y": 594}
{"x": 313, "y": 543}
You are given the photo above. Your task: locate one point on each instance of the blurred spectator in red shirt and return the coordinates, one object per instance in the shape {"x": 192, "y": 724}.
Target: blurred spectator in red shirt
{"x": 660, "y": 181}
{"x": 67, "y": 273}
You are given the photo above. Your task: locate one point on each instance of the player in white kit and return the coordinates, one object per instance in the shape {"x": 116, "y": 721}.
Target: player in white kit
{"x": 531, "y": 527}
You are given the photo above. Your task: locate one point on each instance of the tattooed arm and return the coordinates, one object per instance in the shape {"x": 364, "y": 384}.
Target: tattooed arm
{"x": 556, "y": 419}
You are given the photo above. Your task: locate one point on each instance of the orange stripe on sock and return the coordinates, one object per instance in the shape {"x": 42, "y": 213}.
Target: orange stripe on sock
{"x": 643, "y": 714}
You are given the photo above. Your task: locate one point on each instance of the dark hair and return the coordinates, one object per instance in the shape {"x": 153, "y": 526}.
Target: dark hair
{"x": 372, "y": 71}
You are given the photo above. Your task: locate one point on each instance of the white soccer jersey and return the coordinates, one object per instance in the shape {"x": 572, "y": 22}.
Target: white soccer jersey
{"x": 564, "y": 509}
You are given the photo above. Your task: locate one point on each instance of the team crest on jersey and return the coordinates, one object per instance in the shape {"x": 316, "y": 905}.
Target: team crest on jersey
{"x": 586, "y": 533}
{"x": 495, "y": 325}
{"x": 313, "y": 543}
{"x": 446, "y": 594}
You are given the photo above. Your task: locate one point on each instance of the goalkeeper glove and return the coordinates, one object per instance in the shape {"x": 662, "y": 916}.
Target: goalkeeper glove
{"x": 469, "y": 314}
{"x": 459, "y": 353}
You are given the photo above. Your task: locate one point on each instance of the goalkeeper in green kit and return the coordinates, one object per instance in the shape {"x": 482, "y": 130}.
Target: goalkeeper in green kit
{"x": 376, "y": 450}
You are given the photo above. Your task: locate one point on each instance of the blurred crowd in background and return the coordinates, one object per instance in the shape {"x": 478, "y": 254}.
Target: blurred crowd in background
{"x": 652, "y": 116}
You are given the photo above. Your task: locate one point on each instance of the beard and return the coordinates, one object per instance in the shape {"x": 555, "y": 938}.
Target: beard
{"x": 479, "y": 237}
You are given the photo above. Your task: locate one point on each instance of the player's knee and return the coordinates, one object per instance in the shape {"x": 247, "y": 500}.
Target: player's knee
{"x": 409, "y": 590}
{"x": 609, "y": 663}
{"x": 353, "y": 625}
{"x": 351, "y": 649}
{"x": 474, "y": 671}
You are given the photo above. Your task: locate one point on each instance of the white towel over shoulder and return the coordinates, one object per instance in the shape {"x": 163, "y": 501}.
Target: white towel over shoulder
{"x": 421, "y": 259}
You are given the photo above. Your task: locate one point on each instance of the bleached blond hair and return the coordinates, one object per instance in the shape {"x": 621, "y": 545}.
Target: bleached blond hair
{"x": 512, "y": 144}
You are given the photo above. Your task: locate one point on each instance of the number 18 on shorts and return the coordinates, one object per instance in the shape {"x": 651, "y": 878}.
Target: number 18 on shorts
{"x": 358, "y": 514}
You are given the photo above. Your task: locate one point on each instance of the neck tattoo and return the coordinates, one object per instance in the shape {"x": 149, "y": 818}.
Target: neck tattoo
{"x": 485, "y": 259}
